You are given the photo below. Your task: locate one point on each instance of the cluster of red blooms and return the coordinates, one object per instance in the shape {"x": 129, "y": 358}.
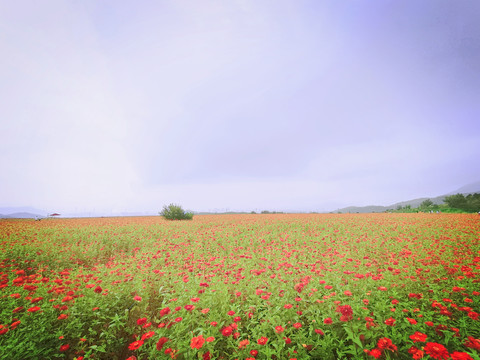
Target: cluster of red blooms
{"x": 382, "y": 344}
{"x": 435, "y": 350}
{"x": 346, "y": 311}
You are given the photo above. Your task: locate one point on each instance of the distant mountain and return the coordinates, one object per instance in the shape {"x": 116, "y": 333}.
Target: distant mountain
{"x": 362, "y": 209}
{"x": 467, "y": 189}
{"x": 21, "y": 215}
{"x": 8, "y": 211}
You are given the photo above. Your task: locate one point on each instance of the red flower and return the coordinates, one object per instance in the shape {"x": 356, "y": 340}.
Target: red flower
{"x": 33, "y": 309}
{"x": 14, "y": 325}
{"x": 473, "y": 315}
{"x": 390, "y": 321}
{"x": 135, "y": 345}
{"x": 376, "y": 353}
{"x": 386, "y": 343}
{"x": 148, "y": 335}
{"x": 227, "y": 331}
{"x": 327, "y": 321}
{"x": 64, "y": 347}
{"x": 346, "y": 311}
{"x": 416, "y": 296}
{"x": 456, "y": 355}
{"x": 197, "y": 342}
{"x": 297, "y": 325}
{"x": 369, "y": 323}
{"x": 161, "y": 342}
{"x": 279, "y": 329}
{"x": 473, "y": 343}
{"x": 436, "y": 351}
{"x": 418, "y": 337}
{"x": 165, "y": 311}
{"x": 98, "y": 290}
{"x": 141, "y": 321}
{"x": 254, "y": 352}
{"x": 416, "y": 353}
{"x": 319, "y": 332}
{"x": 262, "y": 341}
{"x": 243, "y": 344}
{"x": 412, "y": 321}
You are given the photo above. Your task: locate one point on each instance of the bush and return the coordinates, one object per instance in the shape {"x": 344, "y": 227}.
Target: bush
{"x": 175, "y": 212}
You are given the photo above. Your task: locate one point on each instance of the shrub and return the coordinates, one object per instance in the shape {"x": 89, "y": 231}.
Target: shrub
{"x": 175, "y": 212}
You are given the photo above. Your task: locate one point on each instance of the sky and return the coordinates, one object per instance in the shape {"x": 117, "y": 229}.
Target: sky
{"x": 117, "y": 106}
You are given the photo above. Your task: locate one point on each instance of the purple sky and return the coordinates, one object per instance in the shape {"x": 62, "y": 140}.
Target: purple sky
{"x": 238, "y": 105}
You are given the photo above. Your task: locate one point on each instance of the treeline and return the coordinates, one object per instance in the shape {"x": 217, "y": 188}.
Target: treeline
{"x": 469, "y": 203}
{"x": 452, "y": 204}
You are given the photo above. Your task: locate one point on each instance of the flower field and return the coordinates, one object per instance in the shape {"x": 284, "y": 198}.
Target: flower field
{"x": 319, "y": 286}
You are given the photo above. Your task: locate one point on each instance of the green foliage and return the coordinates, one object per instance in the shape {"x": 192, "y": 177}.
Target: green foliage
{"x": 426, "y": 204}
{"x": 469, "y": 203}
{"x": 175, "y": 212}
{"x": 457, "y": 203}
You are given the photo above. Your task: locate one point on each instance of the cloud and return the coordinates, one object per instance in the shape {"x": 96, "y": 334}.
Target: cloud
{"x": 63, "y": 141}
{"x": 237, "y": 104}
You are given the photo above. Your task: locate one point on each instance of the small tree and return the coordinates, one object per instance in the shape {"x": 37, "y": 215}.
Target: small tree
{"x": 426, "y": 203}
{"x": 175, "y": 212}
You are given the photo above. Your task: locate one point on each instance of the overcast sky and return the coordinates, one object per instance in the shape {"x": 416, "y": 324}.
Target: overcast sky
{"x": 238, "y": 105}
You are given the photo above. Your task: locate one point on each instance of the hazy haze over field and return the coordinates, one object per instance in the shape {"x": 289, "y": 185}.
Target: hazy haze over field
{"x": 239, "y": 105}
